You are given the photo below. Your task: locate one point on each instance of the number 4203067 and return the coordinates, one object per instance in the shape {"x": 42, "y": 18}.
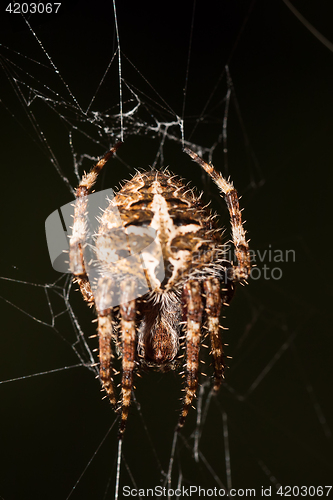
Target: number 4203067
{"x": 302, "y": 491}
{"x": 33, "y": 8}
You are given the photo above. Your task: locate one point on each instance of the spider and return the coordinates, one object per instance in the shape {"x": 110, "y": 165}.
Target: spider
{"x": 180, "y": 308}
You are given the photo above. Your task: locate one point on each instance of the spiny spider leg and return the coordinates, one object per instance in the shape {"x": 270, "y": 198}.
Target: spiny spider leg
{"x": 213, "y": 309}
{"x": 194, "y": 309}
{"x": 242, "y": 271}
{"x": 128, "y": 336}
{"x": 79, "y": 233}
{"x": 76, "y": 245}
{"x": 103, "y": 298}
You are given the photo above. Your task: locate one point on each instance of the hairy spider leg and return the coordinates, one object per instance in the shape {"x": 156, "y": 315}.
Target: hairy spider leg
{"x": 242, "y": 271}
{"x": 194, "y": 309}
{"x": 79, "y": 232}
{"x": 76, "y": 259}
{"x": 128, "y": 336}
{"x": 106, "y": 335}
{"x": 213, "y": 309}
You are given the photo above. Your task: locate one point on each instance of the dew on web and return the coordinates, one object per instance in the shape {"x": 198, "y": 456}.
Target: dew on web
{"x": 61, "y": 110}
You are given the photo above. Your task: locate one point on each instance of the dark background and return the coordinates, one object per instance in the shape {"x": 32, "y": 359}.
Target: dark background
{"x": 280, "y": 158}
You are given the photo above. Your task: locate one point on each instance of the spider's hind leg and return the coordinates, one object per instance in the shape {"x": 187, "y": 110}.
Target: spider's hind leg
{"x": 213, "y": 309}
{"x": 128, "y": 336}
{"x": 194, "y": 307}
{"x": 106, "y": 336}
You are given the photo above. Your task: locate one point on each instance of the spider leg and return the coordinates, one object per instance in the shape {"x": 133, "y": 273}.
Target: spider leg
{"x": 76, "y": 244}
{"x": 77, "y": 240}
{"x": 85, "y": 288}
{"x": 194, "y": 309}
{"x": 106, "y": 335}
{"x": 213, "y": 309}
{"x": 88, "y": 180}
{"x": 242, "y": 271}
{"x": 128, "y": 335}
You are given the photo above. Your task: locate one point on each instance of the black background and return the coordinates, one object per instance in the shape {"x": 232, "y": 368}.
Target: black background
{"x": 52, "y": 424}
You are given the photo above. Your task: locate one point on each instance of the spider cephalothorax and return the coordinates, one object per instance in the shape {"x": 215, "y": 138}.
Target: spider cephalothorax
{"x": 182, "y": 260}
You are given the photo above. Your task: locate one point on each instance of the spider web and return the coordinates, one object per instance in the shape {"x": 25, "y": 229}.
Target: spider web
{"x": 246, "y": 85}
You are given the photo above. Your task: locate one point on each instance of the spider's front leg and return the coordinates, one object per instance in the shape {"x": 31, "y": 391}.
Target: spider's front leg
{"x": 128, "y": 336}
{"x": 194, "y": 308}
{"x": 242, "y": 271}
{"x": 79, "y": 232}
